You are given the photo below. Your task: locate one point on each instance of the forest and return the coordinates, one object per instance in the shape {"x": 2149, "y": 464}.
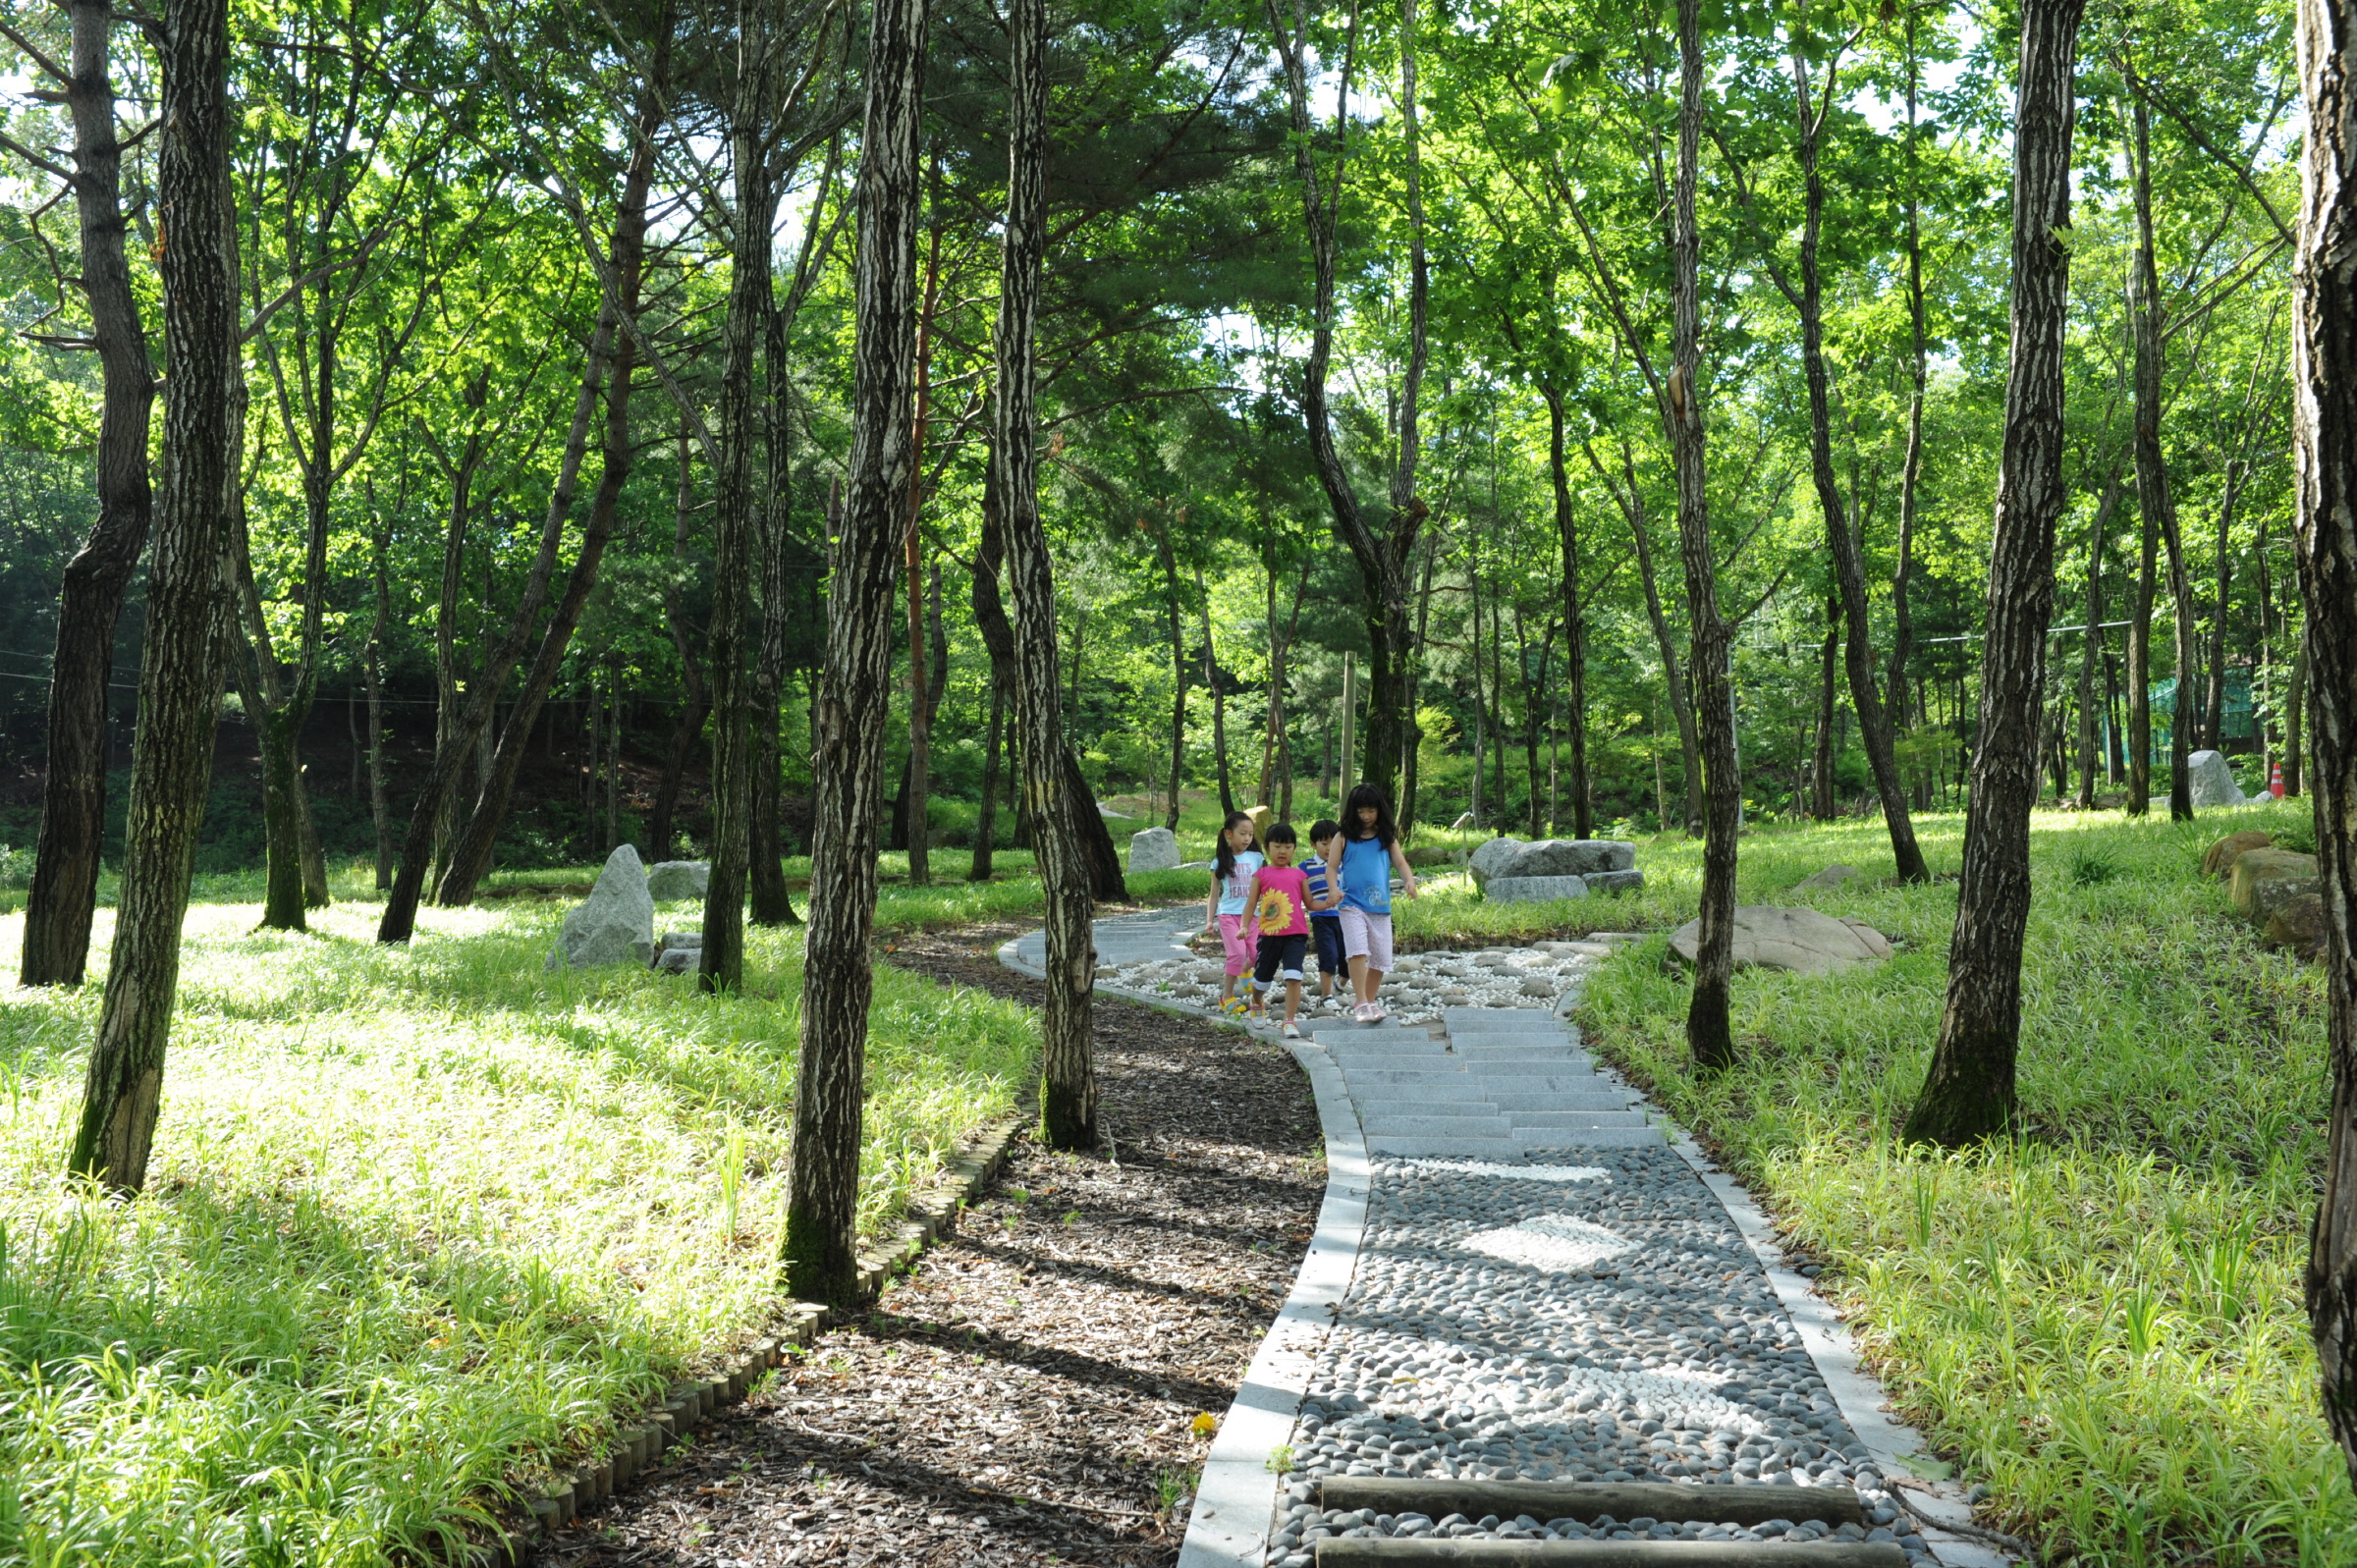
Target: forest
{"x": 891, "y": 456}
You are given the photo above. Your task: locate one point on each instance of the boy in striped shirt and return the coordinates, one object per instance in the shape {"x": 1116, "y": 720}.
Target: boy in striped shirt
{"x": 1325, "y": 918}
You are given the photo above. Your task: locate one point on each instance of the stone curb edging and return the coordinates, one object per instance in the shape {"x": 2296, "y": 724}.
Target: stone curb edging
{"x": 928, "y": 1215}
{"x": 1899, "y": 1449}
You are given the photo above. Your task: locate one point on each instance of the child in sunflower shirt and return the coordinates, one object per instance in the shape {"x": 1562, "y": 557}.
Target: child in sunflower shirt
{"x": 1281, "y": 905}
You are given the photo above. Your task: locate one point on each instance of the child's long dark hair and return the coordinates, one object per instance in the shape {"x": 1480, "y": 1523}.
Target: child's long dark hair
{"x": 1222, "y": 859}
{"x": 1367, "y": 794}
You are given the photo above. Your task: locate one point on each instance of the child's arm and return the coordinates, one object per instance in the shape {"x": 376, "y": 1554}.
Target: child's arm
{"x": 1252, "y": 899}
{"x": 1211, "y": 906}
{"x": 1407, "y": 878}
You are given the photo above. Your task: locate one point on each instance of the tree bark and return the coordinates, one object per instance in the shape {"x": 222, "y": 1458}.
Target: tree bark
{"x": 1068, "y": 1068}
{"x": 1708, "y": 1033}
{"x": 986, "y": 818}
{"x": 772, "y": 904}
{"x": 2140, "y": 665}
{"x": 735, "y": 554}
{"x": 820, "y": 1248}
{"x": 180, "y": 682}
{"x": 1381, "y": 552}
{"x": 1821, "y": 762}
{"x": 696, "y": 698}
{"x": 1902, "y": 622}
{"x": 2092, "y": 643}
{"x": 1219, "y": 698}
{"x": 1631, "y": 502}
{"x": 2325, "y": 447}
{"x": 65, "y": 873}
{"x": 2152, "y": 495}
{"x": 372, "y": 671}
{"x": 1575, "y": 611}
{"x": 1850, "y": 570}
{"x": 1969, "y": 1092}
{"x": 1170, "y": 602}
{"x": 914, "y": 813}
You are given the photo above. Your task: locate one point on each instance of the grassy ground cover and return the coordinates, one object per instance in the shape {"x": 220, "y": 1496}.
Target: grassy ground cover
{"x": 2103, "y": 1320}
{"x": 421, "y": 1220}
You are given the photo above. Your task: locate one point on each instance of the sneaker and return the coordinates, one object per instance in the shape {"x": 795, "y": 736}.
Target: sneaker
{"x": 1366, "y": 1012}
{"x": 1292, "y": 1031}
{"x": 1233, "y": 1005}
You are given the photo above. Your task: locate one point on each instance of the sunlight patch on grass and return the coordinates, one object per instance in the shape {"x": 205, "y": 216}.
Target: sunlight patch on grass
{"x": 423, "y": 1222}
{"x": 2104, "y": 1320}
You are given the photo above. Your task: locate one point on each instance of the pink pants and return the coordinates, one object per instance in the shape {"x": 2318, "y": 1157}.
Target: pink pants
{"x": 1241, "y": 943}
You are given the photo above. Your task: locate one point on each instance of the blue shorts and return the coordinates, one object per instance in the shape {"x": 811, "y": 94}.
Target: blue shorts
{"x": 1327, "y": 932}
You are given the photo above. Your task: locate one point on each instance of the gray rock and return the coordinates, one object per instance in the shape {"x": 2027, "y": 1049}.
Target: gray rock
{"x": 2212, "y": 781}
{"x": 1490, "y": 859}
{"x": 1830, "y": 877}
{"x": 679, "y": 960}
{"x": 668, "y": 880}
{"x": 1615, "y": 881}
{"x": 1155, "y": 849}
{"x": 1568, "y": 857}
{"x": 615, "y": 924}
{"x": 1111, "y": 815}
{"x": 1802, "y": 941}
{"x": 1534, "y": 889}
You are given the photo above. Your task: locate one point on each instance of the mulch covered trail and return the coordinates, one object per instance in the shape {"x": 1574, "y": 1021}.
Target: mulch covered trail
{"x": 1028, "y": 1393}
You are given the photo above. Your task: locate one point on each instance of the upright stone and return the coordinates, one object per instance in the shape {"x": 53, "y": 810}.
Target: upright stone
{"x": 1534, "y": 889}
{"x": 1155, "y": 849}
{"x": 2212, "y": 781}
{"x": 615, "y": 924}
{"x": 1568, "y": 857}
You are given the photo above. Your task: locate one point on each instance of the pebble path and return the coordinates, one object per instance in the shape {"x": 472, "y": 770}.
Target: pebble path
{"x": 1545, "y": 1289}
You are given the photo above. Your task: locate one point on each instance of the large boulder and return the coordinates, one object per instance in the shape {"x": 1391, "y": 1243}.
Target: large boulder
{"x": 2212, "y": 781}
{"x": 1615, "y": 881}
{"x": 1803, "y": 940}
{"x": 669, "y": 880}
{"x": 2298, "y": 925}
{"x": 1568, "y": 857}
{"x": 1155, "y": 849}
{"x": 1490, "y": 859}
{"x": 2219, "y": 859}
{"x": 1534, "y": 889}
{"x": 2266, "y": 879}
{"x": 615, "y": 924}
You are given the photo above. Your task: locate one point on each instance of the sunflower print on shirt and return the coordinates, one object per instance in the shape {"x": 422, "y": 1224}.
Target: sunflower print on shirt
{"x": 1275, "y": 913}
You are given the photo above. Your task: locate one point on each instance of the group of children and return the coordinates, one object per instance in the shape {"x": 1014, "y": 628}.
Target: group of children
{"x": 1267, "y": 909}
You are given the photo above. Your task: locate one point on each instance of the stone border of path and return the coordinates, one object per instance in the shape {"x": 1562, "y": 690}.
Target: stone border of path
{"x": 1235, "y": 1475}
{"x": 928, "y": 1215}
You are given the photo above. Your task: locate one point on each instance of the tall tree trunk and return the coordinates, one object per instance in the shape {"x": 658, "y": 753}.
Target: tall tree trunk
{"x": 1850, "y": 570}
{"x": 372, "y": 671}
{"x": 986, "y": 818}
{"x": 278, "y": 712}
{"x": 2295, "y": 752}
{"x": 469, "y": 858}
{"x": 772, "y": 904}
{"x": 1169, "y": 603}
{"x": 913, "y": 812}
{"x": 1821, "y": 765}
{"x": 2325, "y": 445}
{"x": 2091, "y": 644}
{"x": 2152, "y": 466}
{"x": 1381, "y": 552}
{"x": 1067, "y": 1069}
{"x": 736, "y": 552}
{"x": 1219, "y": 698}
{"x": 1911, "y": 474}
{"x": 1708, "y": 1034}
{"x": 1969, "y": 1092}
{"x": 65, "y": 871}
{"x": 696, "y": 698}
{"x": 1631, "y": 502}
{"x": 1575, "y": 612}
{"x": 2140, "y": 660}
{"x": 180, "y": 672}
{"x": 821, "y": 1253}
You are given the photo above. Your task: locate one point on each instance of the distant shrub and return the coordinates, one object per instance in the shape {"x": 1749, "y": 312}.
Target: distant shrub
{"x": 16, "y": 869}
{"x": 2092, "y": 868}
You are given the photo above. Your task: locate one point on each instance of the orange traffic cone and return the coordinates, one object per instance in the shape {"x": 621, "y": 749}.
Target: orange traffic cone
{"x": 2274, "y": 780}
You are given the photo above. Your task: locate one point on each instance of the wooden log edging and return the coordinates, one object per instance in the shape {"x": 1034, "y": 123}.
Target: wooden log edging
{"x": 930, "y": 1215}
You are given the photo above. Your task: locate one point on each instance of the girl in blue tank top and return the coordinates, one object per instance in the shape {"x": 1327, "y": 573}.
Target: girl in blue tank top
{"x": 1363, "y": 857}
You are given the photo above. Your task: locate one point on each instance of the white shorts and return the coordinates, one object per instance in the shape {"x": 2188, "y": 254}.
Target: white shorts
{"x": 1368, "y": 937}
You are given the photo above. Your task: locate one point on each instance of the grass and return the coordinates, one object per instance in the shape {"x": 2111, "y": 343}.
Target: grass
{"x": 2102, "y": 1321}
{"x": 423, "y": 1224}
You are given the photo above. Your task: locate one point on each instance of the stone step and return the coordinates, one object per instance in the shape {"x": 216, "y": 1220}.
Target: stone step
{"x": 1564, "y": 1110}
{"x": 1436, "y": 1497}
{"x": 1528, "y": 1122}
{"x": 1494, "y": 1018}
{"x": 1428, "y": 1106}
{"x": 1593, "y": 1138}
{"x": 1429, "y": 1148}
{"x": 1434, "y": 1126}
{"x": 1364, "y": 1094}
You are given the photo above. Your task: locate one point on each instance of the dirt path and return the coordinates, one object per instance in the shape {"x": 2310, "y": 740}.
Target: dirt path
{"x": 1028, "y": 1394}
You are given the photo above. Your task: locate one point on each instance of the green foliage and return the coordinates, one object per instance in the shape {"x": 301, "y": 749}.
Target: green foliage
{"x": 423, "y": 1223}
{"x": 2102, "y": 1321}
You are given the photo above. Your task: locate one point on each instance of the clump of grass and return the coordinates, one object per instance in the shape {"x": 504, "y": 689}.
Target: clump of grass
{"x": 2103, "y": 1320}
{"x": 423, "y": 1222}
{"x": 2092, "y": 867}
